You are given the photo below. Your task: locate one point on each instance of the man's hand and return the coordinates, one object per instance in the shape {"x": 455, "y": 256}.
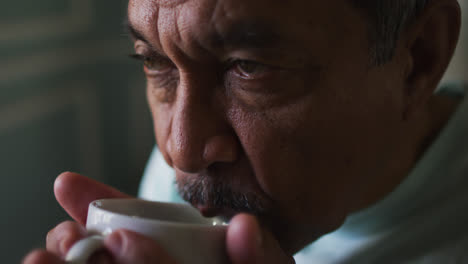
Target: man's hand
{"x": 246, "y": 242}
{"x": 74, "y": 193}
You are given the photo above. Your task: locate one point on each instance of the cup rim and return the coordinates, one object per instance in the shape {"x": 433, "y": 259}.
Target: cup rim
{"x": 216, "y": 223}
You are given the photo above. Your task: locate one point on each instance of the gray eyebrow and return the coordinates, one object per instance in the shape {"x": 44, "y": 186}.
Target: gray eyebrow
{"x": 134, "y": 34}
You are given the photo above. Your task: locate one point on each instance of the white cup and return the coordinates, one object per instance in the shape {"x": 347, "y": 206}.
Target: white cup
{"x": 179, "y": 228}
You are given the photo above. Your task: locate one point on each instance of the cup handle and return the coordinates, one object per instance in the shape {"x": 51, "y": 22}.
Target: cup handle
{"x": 80, "y": 252}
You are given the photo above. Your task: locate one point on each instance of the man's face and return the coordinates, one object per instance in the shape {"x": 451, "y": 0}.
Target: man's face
{"x": 268, "y": 107}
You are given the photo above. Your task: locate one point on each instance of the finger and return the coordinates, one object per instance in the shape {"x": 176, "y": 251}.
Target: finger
{"x": 127, "y": 247}
{"x": 248, "y": 243}
{"x": 42, "y": 257}
{"x": 60, "y": 239}
{"x": 74, "y": 192}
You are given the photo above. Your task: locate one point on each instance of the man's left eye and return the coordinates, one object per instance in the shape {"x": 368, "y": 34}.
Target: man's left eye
{"x": 249, "y": 69}
{"x": 154, "y": 64}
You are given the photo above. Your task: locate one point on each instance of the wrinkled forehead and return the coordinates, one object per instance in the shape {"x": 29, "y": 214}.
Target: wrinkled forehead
{"x": 202, "y": 17}
{"x": 215, "y": 9}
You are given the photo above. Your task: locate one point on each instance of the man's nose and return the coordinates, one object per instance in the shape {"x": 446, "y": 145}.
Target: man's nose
{"x": 200, "y": 134}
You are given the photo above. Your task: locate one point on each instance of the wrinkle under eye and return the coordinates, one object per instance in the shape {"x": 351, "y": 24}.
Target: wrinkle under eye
{"x": 163, "y": 89}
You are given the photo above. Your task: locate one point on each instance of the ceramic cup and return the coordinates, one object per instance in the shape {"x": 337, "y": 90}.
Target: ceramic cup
{"x": 179, "y": 228}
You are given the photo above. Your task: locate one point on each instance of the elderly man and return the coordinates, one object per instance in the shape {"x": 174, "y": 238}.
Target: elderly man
{"x": 301, "y": 121}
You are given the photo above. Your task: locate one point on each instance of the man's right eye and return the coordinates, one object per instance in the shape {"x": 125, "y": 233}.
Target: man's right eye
{"x": 154, "y": 64}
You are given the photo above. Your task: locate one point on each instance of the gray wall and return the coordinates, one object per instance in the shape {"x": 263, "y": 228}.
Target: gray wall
{"x": 70, "y": 99}
{"x": 458, "y": 70}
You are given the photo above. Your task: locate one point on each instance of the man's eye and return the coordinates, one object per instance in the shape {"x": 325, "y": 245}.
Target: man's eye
{"x": 154, "y": 64}
{"x": 249, "y": 69}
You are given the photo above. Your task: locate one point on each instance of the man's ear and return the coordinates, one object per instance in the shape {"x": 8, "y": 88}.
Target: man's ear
{"x": 430, "y": 42}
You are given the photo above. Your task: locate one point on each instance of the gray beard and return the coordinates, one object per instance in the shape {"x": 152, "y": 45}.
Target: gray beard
{"x": 215, "y": 193}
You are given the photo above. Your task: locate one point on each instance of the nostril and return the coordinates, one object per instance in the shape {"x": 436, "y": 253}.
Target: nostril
{"x": 188, "y": 167}
{"x": 218, "y": 168}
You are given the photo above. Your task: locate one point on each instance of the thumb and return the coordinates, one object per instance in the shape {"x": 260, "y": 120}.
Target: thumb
{"x": 248, "y": 243}
{"x": 74, "y": 192}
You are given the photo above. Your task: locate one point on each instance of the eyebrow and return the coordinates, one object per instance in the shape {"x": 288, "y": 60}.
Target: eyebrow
{"x": 135, "y": 34}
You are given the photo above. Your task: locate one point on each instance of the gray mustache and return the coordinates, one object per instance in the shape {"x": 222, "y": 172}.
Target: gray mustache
{"x": 215, "y": 193}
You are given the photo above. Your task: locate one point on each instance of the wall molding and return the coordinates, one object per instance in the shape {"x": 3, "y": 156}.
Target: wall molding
{"x": 58, "y": 60}
{"x": 81, "y": 97}
{"x": 78, "y": 19}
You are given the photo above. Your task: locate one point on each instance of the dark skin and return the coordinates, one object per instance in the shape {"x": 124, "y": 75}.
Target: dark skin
{"x": 281, "y": 104}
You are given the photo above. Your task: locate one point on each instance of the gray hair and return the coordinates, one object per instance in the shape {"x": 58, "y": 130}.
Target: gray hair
{"x": 387, "y": 20}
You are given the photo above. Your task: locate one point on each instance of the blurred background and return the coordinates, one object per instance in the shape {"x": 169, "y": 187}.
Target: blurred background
{"x": 71, "y": 100}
